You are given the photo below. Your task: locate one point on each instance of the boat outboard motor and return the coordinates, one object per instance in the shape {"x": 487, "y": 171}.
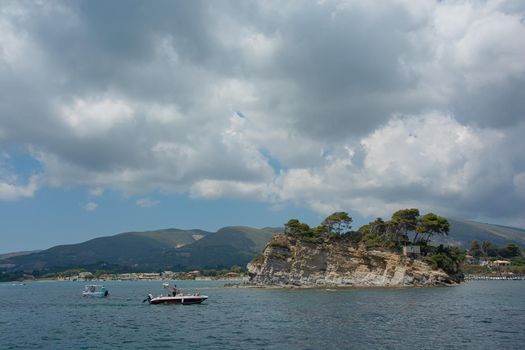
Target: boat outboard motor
{"x": 148, "y": 299}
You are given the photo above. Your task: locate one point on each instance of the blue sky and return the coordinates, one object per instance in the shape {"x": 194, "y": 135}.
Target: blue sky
{"x": 58, "y": 216}
{"x": 125, "y": 115}
{"x": 54, "y": 216}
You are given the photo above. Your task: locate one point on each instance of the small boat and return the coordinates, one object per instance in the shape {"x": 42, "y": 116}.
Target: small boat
{"x": 176, "y": 298}
{"x": 184, "y": 299}
{"x": 95, "y": 291}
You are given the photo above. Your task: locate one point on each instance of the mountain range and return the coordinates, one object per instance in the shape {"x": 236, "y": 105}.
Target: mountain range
{"x": 167, "y": 249}
{"x": 179, "y": 250}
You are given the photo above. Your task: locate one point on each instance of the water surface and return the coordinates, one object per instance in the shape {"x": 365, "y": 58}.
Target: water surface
{"x": 54, "y": 315}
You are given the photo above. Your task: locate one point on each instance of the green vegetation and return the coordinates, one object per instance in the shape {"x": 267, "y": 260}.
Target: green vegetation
{"x": 485, "y": 253}
{"x": 406, "y": 227}
{"x": 448, "y": 259}
{"x": 69, "y": 272}
{"x": 339, "y": 223}
{"x": 335, "y": 225}
{"x": 222, "y": 272}
{"x": 487, "y": 250}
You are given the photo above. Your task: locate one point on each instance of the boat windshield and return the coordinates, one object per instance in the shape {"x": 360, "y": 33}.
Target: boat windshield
{"x": 91, "y": 289}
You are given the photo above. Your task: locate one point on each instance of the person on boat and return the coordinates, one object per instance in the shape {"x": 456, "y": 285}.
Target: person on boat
{"x": 175, "y": 290}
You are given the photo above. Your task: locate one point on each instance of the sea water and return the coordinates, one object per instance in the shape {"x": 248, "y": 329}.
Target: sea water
{"x": 54, "y": 315}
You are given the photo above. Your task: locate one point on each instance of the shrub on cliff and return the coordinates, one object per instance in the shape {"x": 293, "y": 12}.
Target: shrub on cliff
{"x": 279, "y": 242}
{"x": 338, "y": 223}
{"x": 448, "y": 259}
{"x": 302, "y": 231}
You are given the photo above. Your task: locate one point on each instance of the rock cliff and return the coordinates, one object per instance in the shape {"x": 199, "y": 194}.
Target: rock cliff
{"x": 288, "y": 261}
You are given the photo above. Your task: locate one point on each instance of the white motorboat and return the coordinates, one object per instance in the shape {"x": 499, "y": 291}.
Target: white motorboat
{"x": 176, "y": 298}
{"x": 95, "y": 291}
{"x": 184, "y": 299}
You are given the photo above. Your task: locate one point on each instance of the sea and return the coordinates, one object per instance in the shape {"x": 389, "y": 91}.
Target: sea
{"x": 54, "y": 315}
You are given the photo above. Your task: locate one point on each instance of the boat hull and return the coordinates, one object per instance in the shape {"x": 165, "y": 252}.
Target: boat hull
{"x": 185, "y": 300}
{"x": 95, "y": 295}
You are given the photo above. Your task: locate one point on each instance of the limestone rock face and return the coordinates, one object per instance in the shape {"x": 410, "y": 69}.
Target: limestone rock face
{"x": 287, "y": 261}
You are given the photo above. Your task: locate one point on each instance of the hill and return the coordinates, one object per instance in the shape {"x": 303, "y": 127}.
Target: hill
{"x": 462, "y": 232}
{"x": 234, "y": 245}
{"x": 11, "y": 255}
{"x": 125, "y": 249}
{"x": 152, "y": 250}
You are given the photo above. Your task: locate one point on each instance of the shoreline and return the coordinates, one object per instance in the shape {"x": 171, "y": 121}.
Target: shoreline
{"x": 336, "y": 287}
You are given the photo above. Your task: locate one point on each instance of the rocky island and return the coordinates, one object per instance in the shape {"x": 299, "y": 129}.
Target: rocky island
{"x": 395, "y": 253}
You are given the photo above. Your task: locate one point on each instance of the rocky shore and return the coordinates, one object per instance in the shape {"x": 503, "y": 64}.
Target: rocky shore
{"x": 288, "y": 261}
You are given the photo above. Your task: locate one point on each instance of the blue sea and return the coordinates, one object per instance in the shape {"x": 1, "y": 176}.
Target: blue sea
{"x": 54, "y": 315}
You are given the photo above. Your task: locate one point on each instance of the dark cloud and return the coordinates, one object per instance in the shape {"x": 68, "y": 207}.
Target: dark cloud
{"x": 501, "y": 104}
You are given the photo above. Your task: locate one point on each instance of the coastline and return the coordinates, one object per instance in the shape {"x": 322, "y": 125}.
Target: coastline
{"x": 337, "y": 287}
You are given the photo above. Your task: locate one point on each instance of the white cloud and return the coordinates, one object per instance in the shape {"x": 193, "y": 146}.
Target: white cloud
{"x": 212, "y": 189}
{"x": 146, "y": 202}
{"x": 13, "y": 191}
{"x": 429, "y": 161}
{"x": 94, "y": 116}
{"x": 90, "y": 206}
{"x": 433, "y": 150}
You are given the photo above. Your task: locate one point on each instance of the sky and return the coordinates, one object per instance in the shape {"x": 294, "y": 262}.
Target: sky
{"x": 131, "y": 115}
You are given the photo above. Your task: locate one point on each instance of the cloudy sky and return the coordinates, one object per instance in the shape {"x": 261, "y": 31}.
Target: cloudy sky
{"x": 131, "y": 115}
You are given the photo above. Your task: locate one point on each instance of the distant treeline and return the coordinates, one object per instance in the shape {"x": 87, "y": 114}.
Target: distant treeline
{"x": 488, "y": 249}
{"x": 7, "y": 276}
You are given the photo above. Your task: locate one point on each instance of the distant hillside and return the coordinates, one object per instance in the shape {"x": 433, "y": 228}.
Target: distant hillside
{"x": 125, "y": 249}
{"x": 235, "y": 245}
{"x": 153, "y": 250}
{"x": 462, "y": 232}
{"x": 11, "y": 255}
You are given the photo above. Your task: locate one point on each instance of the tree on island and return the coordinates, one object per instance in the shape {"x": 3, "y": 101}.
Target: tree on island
{"x": 339, "y": 223}
{"x": 403, "y": 222}
{"x": 295, "y": 227}
{"x": 429, "y": 225}
{"x": 378, "y": 227}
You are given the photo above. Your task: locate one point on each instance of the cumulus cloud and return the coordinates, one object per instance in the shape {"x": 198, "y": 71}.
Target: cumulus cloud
{"x": 11, "y": 186}
{"x": 429, "y": 161}
{"x": 366, "y": 106}
{"x": 13, "y": 191}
